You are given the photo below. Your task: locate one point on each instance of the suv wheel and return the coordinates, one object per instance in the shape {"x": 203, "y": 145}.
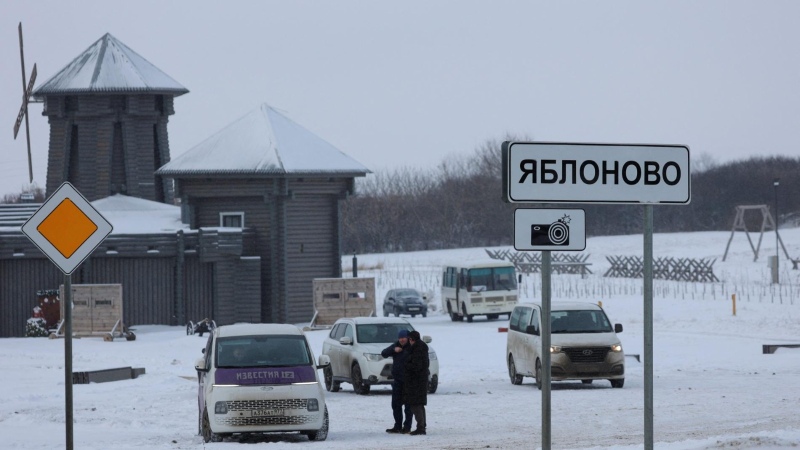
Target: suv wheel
{"x": 512, "y": 371}
{"x": 396, "y": 311}
{"x": 433, "y": 383}
{"x": 385, "y": 312}
{"x": 330, "y": 385}
{"x": 539, "y": 374}
{"x": 359, "y": 386}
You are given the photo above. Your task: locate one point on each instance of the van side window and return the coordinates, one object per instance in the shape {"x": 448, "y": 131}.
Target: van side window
{"x": 535, "y": 320}
{"x": 514, "y": 322}
{"x": 525, "y": 319}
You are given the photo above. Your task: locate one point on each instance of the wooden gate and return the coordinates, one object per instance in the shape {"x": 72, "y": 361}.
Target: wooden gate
{"x": 335, "y": 298}
{"x": 96, "y": 311}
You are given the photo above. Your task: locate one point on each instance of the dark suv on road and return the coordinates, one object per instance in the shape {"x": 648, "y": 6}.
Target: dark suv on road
{"x": 405, "y": 301}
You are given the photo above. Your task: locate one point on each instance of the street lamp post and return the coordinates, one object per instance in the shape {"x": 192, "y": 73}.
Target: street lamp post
{"x": 776, "y": 182}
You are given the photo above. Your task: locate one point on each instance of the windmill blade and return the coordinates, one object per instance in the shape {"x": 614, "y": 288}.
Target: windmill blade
{"x": 23, "y": 110}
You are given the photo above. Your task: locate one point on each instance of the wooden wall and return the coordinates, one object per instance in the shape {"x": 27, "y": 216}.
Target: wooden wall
{"x": 160, "y": 284}
{"x": 90, "y": 161}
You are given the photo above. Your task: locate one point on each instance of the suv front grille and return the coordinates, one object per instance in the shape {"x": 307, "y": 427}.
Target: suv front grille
{"x": 586, "y": 354}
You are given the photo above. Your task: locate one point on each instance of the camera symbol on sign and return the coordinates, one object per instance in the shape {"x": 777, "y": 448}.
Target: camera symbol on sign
{"x": 556, "y": 233}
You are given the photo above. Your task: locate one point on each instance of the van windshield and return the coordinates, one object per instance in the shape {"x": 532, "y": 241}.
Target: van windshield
{"x": 262, "y": 351}
{"x": 386, "y": 333}
{"x": 588, "y": 321}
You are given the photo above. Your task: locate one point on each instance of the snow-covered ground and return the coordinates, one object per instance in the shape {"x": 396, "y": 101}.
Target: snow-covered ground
{"x": 713, "y": 387}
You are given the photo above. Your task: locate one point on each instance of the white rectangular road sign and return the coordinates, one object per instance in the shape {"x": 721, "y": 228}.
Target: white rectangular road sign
{"x": 548, "y": 172}
{"x": 67, "y": 228}
{"x": 559, "y": 230}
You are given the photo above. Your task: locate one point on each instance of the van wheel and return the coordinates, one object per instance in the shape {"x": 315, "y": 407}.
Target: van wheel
{"x": 586, "y": 381}
{"x": 359, "y": 386}
{"x": 322, "y": 433}
{"x": 538, "y": 374}
{"x": 493, "y": 316}
{"x": 330, "y": 385}
{"x": 617, "y": 383}
{"x": 512, "y": 371}
{"x": 208, "y": 435}
{"x": 464, "y": 310}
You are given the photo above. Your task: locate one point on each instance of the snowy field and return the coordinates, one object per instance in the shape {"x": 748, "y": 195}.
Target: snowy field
{"x": 713, "y": 387}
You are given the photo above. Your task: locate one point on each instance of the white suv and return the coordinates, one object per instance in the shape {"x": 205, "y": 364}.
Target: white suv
{"x": 583, "y": 344}
{"x": 260, "y": 378}
{"x": 354, "y": 346}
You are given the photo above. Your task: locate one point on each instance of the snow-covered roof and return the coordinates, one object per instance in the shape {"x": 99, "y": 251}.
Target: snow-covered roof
{"x": 267, "y": 142}
{"x": 133, "y": 215}
{"x": 108, "y": 65}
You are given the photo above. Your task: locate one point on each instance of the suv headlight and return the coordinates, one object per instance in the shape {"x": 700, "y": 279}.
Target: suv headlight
{"x": 555, "y": 349}
{"x": 432, "y": 355}
{"x": 373, "y": 356}
{"x": 616, "y": 348}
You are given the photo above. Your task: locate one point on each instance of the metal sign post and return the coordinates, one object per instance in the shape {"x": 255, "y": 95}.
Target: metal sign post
{"x": 68, "y": 358}
{"x": 648, "y": 327}
{"x": 546, "y": 298}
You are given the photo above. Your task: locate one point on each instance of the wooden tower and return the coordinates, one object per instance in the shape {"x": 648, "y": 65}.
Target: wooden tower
{"x": 108, "y": 111}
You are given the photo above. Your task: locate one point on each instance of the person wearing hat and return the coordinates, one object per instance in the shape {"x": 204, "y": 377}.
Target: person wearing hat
{"x": 415, "y": 380}
{"x": 398, "y": 351}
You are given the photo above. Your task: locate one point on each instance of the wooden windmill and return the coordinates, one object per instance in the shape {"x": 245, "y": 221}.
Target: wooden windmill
{"x": 23, "y": 110}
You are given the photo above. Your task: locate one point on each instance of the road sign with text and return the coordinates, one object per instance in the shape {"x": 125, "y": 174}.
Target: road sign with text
{"x": 67, "y": 228}
{"x": 547, "y": 172}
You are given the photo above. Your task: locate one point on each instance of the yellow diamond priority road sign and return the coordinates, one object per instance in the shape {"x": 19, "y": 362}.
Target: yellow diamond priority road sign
{"x": 67, "y": 228}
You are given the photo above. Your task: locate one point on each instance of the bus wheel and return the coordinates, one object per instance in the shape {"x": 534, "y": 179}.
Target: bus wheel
{"x": 468, "y": 316}
{"x": 453, "y": 316}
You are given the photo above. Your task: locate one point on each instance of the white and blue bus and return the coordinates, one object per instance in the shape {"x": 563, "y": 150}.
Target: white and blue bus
{"x": 479, "y": 289}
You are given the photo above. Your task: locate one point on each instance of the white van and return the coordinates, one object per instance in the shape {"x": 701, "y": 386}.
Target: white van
{"x": 583, "y": 344}
{"x": 260, "y": 378}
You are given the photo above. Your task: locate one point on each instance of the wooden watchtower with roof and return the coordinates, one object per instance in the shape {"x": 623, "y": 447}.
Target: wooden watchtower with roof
{"x": 108, "y": 111}
{"x": 267, "y": 174}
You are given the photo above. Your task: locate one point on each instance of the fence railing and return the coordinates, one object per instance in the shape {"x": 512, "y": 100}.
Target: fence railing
{"x": 675, "y": 269}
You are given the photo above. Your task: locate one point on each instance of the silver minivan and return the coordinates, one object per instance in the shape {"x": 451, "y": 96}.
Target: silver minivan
{"x": 583, "y": 345}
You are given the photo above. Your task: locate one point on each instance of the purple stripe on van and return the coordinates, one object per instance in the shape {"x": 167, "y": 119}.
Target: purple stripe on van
{"x": 267, "y": 375}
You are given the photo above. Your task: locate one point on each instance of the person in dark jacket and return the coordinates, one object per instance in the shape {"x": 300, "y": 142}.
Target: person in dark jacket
{"x": 415, "y": 380}
{"x": 398, "y": 351}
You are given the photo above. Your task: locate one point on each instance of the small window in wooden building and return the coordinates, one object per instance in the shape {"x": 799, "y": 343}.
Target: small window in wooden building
{"x": 231, "y": 219}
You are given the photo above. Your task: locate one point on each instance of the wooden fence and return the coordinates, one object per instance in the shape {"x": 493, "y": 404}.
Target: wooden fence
{"x": 674, "y": 269}
{"x": 531, "y": 262}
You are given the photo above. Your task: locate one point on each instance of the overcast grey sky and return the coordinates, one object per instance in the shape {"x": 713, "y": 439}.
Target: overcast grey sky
{"x": 411, "y": 83}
